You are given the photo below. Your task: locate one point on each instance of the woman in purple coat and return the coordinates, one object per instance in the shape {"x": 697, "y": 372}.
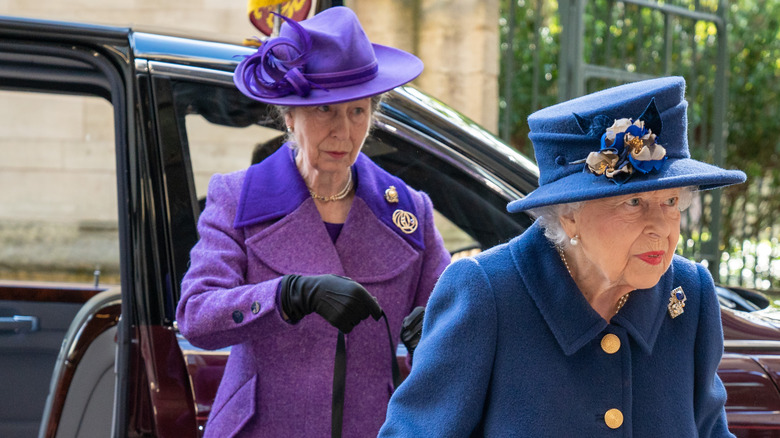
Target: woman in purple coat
{"x": 296, "y": 252}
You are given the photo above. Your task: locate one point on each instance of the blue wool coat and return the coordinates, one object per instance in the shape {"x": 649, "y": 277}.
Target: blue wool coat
{"x": 260, "y": 224}
{"x": 511, "y": 348}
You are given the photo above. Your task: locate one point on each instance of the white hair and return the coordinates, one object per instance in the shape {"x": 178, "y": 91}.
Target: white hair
{"x": 549, "y": 216}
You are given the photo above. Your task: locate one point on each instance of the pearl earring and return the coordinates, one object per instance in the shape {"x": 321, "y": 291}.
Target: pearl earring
{"x": 574, "y": 241}
{"x": 290, "y": 129}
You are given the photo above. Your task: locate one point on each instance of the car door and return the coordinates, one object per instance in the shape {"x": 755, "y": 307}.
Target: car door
{"x": 59, "y": 213}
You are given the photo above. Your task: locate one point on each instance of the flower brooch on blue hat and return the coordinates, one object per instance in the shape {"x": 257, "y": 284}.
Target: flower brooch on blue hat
{"x": 627, "y": 145}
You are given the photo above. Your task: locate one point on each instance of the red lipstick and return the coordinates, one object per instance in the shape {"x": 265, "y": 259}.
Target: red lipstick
{"x": 337, "y": 155}
{"x": 652, "y": 257}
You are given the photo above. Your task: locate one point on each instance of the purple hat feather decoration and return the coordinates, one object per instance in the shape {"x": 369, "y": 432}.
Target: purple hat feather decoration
{"x": 275, "y": 69}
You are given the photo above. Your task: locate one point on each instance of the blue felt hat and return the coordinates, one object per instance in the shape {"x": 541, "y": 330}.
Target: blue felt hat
{"x": 627, "y": 139}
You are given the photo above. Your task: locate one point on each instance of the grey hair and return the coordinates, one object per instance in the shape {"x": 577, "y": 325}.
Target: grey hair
{"x": 549, "y": 216}
{"x": 280, "y": 111}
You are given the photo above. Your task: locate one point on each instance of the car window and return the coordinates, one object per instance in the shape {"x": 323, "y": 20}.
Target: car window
{"x": 58, "y": 208}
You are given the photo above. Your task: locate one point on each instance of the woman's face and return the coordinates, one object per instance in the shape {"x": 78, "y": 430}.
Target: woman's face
{"x": 330, "y": 136}
{"x": 631, "y": 239}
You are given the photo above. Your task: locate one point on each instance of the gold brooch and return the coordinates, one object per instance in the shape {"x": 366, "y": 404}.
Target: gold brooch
{"x": 391, "y": 195}
{"x": 676, "y": 302}
{"x": 404, "y": 220}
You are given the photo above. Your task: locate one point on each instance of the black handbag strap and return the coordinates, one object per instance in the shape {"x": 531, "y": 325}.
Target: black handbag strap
{"x": 339, "y": 380}
{"x": 393, "y": 360}
{"x": 340, "y": 377}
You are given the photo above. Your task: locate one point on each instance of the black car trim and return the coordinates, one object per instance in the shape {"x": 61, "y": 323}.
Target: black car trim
{"x": 189, "y": 72}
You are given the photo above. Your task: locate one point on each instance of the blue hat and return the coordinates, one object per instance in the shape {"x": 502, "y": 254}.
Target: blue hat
{"x": 627, "y": 139}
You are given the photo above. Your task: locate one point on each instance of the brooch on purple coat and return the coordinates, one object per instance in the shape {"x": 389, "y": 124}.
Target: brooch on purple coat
{"x": 676, "y": 302}
{"x": 391, "y": 195}
{"x": 404, "y": 220}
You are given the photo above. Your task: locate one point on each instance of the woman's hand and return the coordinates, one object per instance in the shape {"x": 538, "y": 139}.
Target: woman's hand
{"x": 343, "y": 302}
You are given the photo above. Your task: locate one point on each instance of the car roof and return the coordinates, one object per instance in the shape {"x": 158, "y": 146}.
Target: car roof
{"x": 190, "y": 51}
{"x": 39, "y": 29}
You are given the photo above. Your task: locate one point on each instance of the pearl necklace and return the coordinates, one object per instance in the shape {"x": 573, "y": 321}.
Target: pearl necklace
{"x": 338, "y": 196}
{"x": 621, "y": 302}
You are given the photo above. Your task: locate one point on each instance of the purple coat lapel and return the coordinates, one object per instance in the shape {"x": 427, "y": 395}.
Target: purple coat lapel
{"x": 370, "y": 251}
{"x": 298, "y": 243}
{"x": 372, "y": 183}
{"x": 263, "y": 198}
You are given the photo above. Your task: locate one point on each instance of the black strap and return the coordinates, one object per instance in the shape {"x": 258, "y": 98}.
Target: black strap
{"x": 393, "y": 360}
{"x": 339, "y": 380}
{"x": 340, "y": 376}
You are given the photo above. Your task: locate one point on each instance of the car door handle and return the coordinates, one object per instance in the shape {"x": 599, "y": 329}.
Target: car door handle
{"x": 18, "y": 324}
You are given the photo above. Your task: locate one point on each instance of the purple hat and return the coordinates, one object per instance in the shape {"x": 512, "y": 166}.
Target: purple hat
{"x": 627, "y": 139}
{"x": 326, "y": 59}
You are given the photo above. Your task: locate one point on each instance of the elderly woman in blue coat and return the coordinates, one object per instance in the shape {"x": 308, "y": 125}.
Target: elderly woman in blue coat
{"x": 296, "y": 252}
{"x": 587, "y": 324}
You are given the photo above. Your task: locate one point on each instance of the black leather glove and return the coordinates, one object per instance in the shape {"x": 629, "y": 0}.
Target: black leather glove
{"x": 411, "y": 329}
{"x": 340, "y": 300}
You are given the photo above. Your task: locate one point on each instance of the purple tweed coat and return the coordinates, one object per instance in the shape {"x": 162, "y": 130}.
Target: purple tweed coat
{"x": 278, "y": 379}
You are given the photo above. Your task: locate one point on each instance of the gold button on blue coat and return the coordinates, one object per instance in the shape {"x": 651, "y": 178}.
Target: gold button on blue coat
{"x": 256, "y": 307}
{"x": 613, "y": 418}
{"x": 610, "y": 343}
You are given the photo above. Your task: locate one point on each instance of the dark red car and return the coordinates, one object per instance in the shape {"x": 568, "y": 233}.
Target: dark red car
{"x": 108, "y": 140}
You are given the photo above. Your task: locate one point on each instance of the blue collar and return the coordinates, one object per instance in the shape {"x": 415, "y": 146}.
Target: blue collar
{"x": 274, "y": 188}
{"x": 569, "y": 316}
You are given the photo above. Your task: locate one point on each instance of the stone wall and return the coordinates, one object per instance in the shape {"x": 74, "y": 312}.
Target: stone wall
{"x": 456, "y": 39}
